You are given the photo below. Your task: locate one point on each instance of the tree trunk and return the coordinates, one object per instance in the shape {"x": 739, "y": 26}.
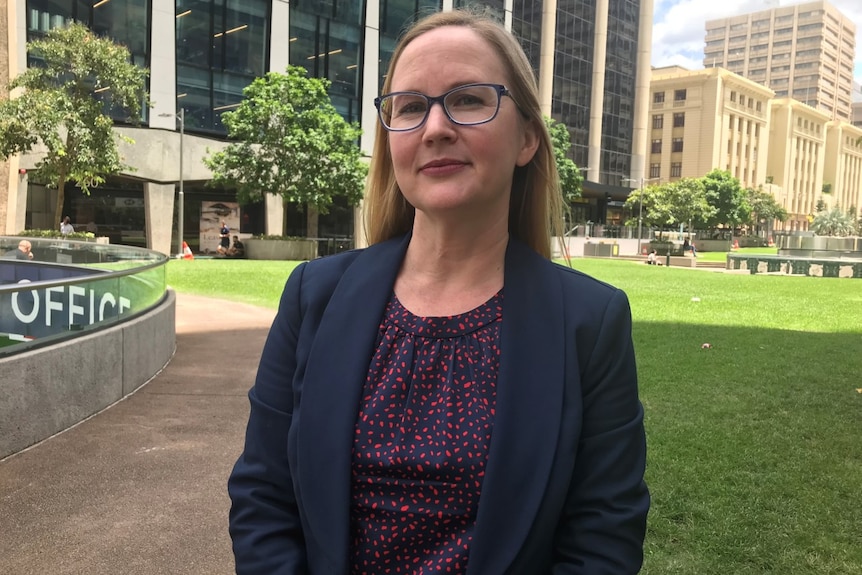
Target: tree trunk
{"x": 312, "y": 221}
{"x": 61, "y": 198}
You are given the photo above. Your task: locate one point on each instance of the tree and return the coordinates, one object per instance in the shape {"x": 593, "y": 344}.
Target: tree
{"x": 834, "y": 222}
{"x": 78, "y": 77}
{"x": 763, "y": 208}
{"x": 290, "y": 141}
{"x": 668, "y": 205}
{"x": 726, "y": 196}
{"x": 571, "y": 179}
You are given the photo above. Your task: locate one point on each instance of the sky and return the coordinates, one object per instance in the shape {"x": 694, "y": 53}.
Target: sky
{"x": 679, "y": 27}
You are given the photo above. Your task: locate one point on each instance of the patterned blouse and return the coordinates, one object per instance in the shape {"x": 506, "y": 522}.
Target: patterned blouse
{"x": 421, "y": 440}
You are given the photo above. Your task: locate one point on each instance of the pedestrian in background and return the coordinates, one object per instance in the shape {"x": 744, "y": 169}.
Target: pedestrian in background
{"x": 66, "y": 226}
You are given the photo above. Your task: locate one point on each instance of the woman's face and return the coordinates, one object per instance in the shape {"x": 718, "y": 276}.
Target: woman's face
{"x": 448, "y": 170}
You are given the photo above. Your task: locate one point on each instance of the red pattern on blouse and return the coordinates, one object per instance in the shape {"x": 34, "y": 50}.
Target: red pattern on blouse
{"x": 421, "y": 441}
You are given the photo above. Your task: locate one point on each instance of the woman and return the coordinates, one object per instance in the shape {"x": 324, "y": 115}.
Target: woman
{"x": 447, "y": 400}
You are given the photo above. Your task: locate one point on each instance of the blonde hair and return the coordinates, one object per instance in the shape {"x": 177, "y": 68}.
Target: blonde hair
{"x": 536, "y": 207}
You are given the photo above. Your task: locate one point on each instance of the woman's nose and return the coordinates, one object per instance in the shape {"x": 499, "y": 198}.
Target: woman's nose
{"x": 438, "y": 121}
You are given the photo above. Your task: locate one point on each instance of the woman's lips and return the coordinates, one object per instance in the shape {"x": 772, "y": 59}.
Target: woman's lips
{"x": 441, "y": 167}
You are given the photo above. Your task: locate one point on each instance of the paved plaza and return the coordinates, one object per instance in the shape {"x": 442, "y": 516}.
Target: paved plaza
{"x": 139, "y": 489}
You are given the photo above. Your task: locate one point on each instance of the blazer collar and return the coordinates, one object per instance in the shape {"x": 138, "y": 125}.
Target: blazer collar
{"x": 529, "y": 400}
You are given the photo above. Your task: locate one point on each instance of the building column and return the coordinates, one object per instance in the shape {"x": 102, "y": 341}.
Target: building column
{"x": 368, "y": 121}
{"x": 597, "y": 99}
{"x": 274, "y": 214}
{"x": 13, "y": 186}
{"x": 163, "y": 65}
{"x": 641, "y": 118}
{"x": 279, "y": 60}
{"x": 159, "y": 215}
{"x": 279, "y": 43}
{"x": 546, "y": 56}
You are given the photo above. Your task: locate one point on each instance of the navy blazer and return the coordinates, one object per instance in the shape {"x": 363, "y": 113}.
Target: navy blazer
{"x": 563, "y": 491}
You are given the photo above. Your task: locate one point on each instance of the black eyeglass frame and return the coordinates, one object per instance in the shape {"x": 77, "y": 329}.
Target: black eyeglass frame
{"x": 500, "y": 89}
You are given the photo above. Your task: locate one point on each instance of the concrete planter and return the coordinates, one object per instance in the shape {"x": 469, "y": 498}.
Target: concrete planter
{"x": 296, "y": 250}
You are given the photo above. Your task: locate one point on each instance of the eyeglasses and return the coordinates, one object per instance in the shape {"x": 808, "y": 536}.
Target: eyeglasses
{"x": 467, "y": 105}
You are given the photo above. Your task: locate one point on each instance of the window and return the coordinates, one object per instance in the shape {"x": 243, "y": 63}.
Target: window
{"x": 657, "y": 122}
{"x": 676, "y": 145}
{"x": 676, "y": 170}
{"x": 654, "y": 171}
{"x": 658, "y": 98}
{"x": 679, "y": 95}
{"x": 757, "y": 106}
{"x": 733, "y": 96}
{"x": 679, "y": 120}
{"x": 656, "y": 147}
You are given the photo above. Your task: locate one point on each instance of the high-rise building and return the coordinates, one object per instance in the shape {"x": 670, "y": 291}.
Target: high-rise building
{"x": 591, "y": 60}
{"x": 804, "y": 52}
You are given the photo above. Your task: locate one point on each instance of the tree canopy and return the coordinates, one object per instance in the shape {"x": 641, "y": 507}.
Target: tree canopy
{"x": 77, "y": 78}
{"x": 671, "y": 204}
{"x": 289, "y": 140}
{"x": 763, "y": 207}
{"x": 571, "y": 179}
{"x": 727, "y": 198}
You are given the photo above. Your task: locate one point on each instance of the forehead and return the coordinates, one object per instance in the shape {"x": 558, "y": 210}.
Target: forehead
{"x": 446, "y": 57}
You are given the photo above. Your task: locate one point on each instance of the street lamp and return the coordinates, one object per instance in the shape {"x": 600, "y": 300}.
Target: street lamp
{"x": 640, "y": 203}
{"x": 181, "y": 117}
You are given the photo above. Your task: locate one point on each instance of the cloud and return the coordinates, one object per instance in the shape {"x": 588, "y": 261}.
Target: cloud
{"x": 679, "y": 27}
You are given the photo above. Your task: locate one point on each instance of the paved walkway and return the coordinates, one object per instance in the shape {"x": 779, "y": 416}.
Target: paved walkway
{"x": 139, "y": 489}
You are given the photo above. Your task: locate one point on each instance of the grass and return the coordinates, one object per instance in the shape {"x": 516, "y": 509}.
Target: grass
{"x": 755, "y": 444}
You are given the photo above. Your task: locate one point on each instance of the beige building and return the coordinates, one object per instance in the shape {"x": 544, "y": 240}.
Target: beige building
{"x": 706, "y": 119}
{"x": 804, "y": 52}
{"x": 843, "y": 169}
{"x": 797, "y": 135}
{"x": 712, "y": 118}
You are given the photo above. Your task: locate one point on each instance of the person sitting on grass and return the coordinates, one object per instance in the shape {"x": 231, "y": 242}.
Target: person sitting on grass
{"x": 651, "y": 258}
{"x": 237, "y": 250}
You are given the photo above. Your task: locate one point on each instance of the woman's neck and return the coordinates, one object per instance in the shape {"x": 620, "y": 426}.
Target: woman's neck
{"x": 446, "y": 273}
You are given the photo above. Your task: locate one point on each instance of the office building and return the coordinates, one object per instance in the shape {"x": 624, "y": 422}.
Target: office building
{"x": 701, "y": 120}
{"x": 708, "y": 119}
{"x": 202, "y": 53}
{"x": 804, "y": 51}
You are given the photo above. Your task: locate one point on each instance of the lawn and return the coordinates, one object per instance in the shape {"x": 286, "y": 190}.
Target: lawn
{"x": 755, "y": 443}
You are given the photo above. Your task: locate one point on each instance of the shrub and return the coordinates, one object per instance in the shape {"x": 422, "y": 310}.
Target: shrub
{"x": 57, "y": 234}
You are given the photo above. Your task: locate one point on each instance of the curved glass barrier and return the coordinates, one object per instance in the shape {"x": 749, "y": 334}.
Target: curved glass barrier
{"x": 71, "y": 287}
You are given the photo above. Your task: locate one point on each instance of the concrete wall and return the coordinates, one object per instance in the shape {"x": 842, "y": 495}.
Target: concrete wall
{"x": 50, "y": 389}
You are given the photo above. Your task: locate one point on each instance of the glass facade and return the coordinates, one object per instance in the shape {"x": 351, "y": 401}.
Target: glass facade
{"x": 573, "y": 72}
{"x": 620, "y": 75}
{"x": 126, "y": 22}
{"x": 395, "y": 17}
{"x": 326, "y": 39}
{"x": 221, "y": 47}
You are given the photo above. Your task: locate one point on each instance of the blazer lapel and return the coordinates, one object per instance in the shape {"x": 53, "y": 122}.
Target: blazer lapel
{"x": 529, "y": 401}
{"x": 332, "y": 385}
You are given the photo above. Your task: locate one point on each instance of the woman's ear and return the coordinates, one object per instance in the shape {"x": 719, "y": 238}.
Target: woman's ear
{"x": 529, "y": 144}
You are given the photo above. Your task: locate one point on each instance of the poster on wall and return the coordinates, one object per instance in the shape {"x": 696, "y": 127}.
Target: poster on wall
{"x": 212, "y": 215}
